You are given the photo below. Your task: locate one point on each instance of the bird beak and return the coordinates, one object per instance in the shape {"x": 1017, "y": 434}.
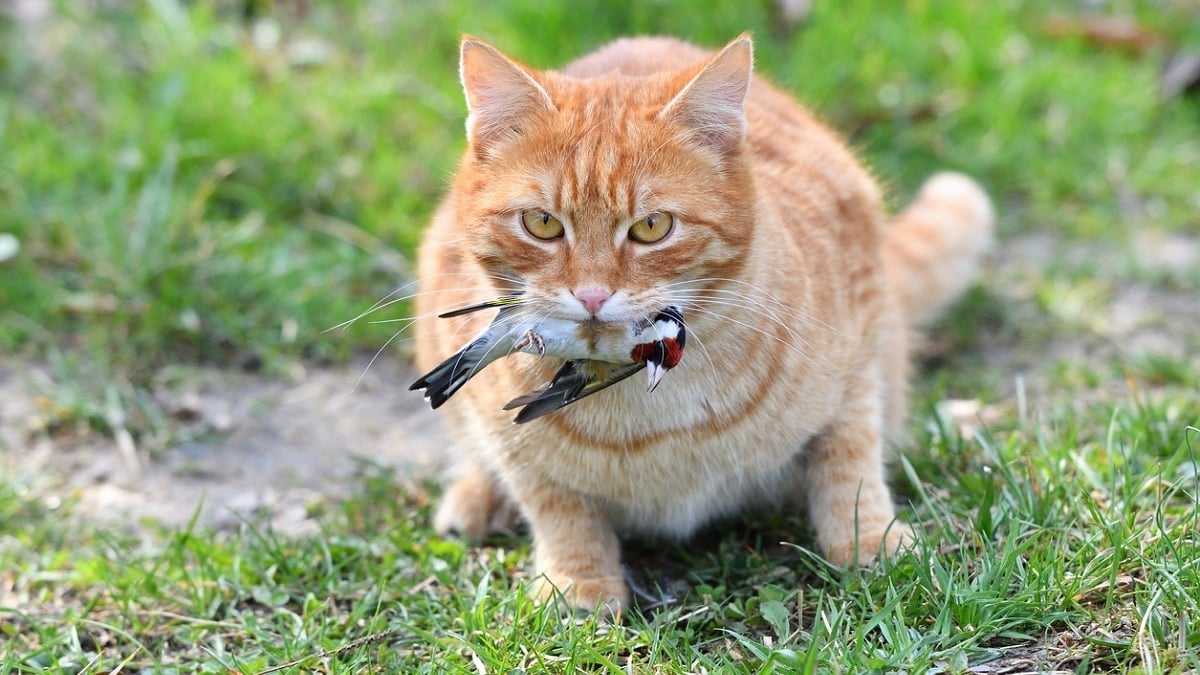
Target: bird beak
{"x": 654, "y": 375}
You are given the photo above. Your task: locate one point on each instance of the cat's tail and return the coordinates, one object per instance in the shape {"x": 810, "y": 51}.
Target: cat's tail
{"x": 935, "y": 244}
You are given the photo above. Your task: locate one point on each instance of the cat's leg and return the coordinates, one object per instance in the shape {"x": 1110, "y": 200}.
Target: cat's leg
{"x": 474, "y": 505}
{"x": 844, "y": 483}
{"x": 576, "y": 551}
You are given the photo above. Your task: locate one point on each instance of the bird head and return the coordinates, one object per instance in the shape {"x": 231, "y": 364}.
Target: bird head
{"x": 664, "y": 350}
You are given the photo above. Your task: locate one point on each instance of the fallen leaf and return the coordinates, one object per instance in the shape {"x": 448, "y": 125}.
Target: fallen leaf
{"x": 1122, "y": 33}
{"x": 1122, "y": 582}
{"x": 969, "y": 415}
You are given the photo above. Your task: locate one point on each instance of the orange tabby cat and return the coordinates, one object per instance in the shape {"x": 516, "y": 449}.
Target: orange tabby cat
{"x": 654, "y": 173}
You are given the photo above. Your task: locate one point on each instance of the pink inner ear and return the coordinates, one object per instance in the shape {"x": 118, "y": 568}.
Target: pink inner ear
{"x": 501, "y": 94}
{"x": 713, "y": 103}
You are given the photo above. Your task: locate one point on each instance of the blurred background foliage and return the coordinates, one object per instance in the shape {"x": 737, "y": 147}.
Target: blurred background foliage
{"x": 221, "y": 181}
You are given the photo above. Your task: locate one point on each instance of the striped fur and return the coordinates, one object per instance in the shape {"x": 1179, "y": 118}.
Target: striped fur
{"x": 799, "y": 299}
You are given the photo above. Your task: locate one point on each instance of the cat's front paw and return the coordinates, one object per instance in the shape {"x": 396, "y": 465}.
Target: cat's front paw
{"x": 609, "y": 594}
{"x": 870, "y": 545}
{"x": 473, "y": 507}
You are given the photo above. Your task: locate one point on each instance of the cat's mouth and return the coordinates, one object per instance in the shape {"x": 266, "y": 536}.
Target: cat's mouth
{"x": 593, "y": 331}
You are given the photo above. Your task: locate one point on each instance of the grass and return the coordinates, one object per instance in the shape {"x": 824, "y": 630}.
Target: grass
{"x": 1073, "y": 542}
{"x": 222, "y": 181}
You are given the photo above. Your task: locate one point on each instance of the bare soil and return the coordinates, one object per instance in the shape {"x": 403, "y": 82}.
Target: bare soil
{"x": 243, "y": 446}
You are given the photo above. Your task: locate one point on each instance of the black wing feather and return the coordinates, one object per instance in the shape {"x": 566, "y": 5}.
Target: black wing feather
{"x": 450, "y": 375}
{"x": 502, "y": 301}
{"x": 572, "y": 382}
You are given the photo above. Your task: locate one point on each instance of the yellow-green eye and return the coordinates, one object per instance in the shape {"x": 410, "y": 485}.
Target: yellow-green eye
{"x": 652, "y": 228}
{"x": 541, "y": 224}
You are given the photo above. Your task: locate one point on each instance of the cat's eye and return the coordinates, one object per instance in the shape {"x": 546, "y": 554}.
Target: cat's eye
{"x": 542, "y": 225}
{"x": 652, "y": 228}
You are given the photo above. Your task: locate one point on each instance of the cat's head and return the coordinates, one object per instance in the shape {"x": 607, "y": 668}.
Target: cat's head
{"x": 606, "y": 197}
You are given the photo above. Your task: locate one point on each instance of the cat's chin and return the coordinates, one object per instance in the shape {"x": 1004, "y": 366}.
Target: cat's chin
{"x": 590, "y": 329}
{"x": 604, "y": 321}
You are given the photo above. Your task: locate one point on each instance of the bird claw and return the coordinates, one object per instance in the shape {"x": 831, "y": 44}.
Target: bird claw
{"x": 531, "y": 339}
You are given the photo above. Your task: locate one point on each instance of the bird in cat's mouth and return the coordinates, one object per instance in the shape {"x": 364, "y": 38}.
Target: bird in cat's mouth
{"x": 597, "y": 354}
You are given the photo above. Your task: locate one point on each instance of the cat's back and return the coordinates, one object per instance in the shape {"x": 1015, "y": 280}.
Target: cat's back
{"x": 637, "y": 57}
{"x": 791, "y": 149}
{"x": 648, "y": 56}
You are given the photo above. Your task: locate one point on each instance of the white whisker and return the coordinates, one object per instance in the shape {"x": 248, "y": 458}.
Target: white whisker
{"x": 796, "y": 342}
{"x": 693, "y": 336}
{"x": 759, "y": 296}
{"x": 370, "y": 363}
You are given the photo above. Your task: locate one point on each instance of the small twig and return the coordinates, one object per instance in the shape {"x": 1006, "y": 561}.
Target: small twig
{"x": 114, "y": 416}
{"x": 121, "y": 666}
{"x": 654, "y": 601}
{"x": 206, "y": 623}
{"x": 349, "y": 646}
{"x": 429, "y": 581}
{"x": 479, "y": 667}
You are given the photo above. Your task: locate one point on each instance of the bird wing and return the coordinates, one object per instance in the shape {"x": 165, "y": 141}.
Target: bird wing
{"x": 575, "y": 380}
{"x": 450, "y": 375}
{"x": 502, "y": 301}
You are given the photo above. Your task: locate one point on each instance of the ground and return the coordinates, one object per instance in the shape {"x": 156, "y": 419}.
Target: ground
{"x": 256, "y": 446}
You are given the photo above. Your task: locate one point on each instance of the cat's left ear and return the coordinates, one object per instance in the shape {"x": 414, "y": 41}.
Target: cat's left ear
{"x": 502, "y": 95}
{"x": 713, "y": 103}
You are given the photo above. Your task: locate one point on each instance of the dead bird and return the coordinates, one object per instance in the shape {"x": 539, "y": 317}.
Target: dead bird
{"x": 593, "y": 363}
{"x": 579, "y": 378}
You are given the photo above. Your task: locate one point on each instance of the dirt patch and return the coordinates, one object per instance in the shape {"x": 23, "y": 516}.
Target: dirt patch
{"x": 250, "y": 447}
{"x": 1140, "y": 303}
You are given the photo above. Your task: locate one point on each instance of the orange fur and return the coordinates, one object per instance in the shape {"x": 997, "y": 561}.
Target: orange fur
{"x": 797, "y": 294}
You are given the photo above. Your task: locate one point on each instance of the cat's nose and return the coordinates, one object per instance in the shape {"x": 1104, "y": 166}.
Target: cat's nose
{"x": 592, "y": 298}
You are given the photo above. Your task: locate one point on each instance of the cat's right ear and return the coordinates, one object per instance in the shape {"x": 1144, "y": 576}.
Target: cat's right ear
{"x": 502, "y": 95}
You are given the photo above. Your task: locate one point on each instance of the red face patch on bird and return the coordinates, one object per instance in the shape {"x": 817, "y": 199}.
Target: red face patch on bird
{"x": 666, "y": 351}
{"x": 672, "y": 352}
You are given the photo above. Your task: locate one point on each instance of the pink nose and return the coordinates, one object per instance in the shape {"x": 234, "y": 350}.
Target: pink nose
{"x": 592, "y": 298}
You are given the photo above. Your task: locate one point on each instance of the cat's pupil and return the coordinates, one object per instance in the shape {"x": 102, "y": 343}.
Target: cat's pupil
{"x": 545, "y": 218}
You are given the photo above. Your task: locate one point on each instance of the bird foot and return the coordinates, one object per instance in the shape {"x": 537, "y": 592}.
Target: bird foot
{"x": 531, "y": 340}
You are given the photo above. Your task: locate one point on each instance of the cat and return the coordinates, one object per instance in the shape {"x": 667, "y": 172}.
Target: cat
{"x": 654, "y": 172}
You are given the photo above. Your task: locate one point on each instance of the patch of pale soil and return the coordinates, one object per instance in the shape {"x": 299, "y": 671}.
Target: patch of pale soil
{"x": 249, "y": 448}
{"x": 1143, "y": 302}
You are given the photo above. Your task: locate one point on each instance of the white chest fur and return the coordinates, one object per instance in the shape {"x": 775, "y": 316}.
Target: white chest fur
{"x": 669, "y": 461}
